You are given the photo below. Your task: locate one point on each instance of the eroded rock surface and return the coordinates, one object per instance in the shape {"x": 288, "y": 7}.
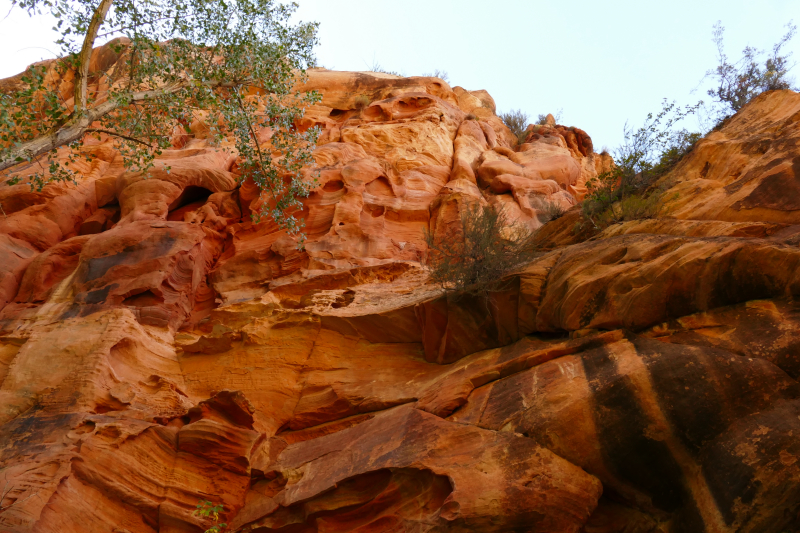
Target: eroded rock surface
{"x": 157, "y": 348}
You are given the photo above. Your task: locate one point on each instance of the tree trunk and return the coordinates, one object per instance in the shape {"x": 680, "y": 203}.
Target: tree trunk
{"x": 85, "y": 57}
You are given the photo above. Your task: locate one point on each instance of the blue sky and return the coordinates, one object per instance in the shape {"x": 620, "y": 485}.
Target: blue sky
{"x": 601, "y": 62}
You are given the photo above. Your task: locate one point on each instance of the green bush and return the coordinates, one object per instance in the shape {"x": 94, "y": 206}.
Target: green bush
{"x": 628, "y": 191}
{"x": 646, "y": 155}
{"x": 207, "y": 510}
{"x": 488, "y": 246}
{"x": 361, "y": 101}
{"x": 550, "y": 211}
{"x": 633, "y": 207}
{"x": 517, "y": 122}
{"x": 542, "y": 118}
{"x": 738, "y": 83}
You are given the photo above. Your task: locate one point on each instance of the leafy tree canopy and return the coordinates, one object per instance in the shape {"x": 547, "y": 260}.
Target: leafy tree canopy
{"x": 232, "y": 63}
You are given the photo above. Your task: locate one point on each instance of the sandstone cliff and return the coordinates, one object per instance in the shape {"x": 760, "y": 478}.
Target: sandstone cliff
{"x": 157, "y": 348}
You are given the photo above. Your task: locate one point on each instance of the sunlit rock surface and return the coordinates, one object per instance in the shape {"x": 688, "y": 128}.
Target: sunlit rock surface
{"x": 157, "y": 348}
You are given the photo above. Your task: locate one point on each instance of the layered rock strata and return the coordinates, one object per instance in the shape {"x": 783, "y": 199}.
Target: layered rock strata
{"x": 157, "y": 348}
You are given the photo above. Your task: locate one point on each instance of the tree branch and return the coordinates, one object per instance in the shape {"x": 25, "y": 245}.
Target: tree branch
{"x": 120, "y": 135}
{"x": 6, "y": 491}
{"x": 255, "y": 139}
{"x": 133, "y": 26}
{"x": 75, "y": 128}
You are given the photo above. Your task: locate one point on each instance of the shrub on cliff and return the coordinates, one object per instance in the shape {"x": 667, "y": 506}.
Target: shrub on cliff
{"x": 486, "y": 246}
{"x": 362, "y": 101}
{"x": 231, "y": 65}
{"x": 627, "y": 192}
{"x": 635, "y": 206}
{"x": 517, "y": 121}
{"x": 376, "y": 67}
{"x": 551, "y": 211}
{"x": 541, "y": 119}
{"x": 208, "y": 511}
{"x": 754, "y": 73}
{"x": 438, "y": 73}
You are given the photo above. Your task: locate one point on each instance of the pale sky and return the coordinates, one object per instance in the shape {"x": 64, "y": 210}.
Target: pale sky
{"x": 601, "y": 62}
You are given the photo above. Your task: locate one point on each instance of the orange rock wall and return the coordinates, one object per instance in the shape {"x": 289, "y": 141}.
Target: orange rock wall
{"x": 157, "y": 348}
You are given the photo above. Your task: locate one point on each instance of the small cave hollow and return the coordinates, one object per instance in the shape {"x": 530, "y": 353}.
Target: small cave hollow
{"x": 333, "y": 186}
{"x": 103, "y": 219}
{"x": 190, "y": 199}
{"x": 380, "y": 187}
{"x": 143, "y": 299}
{"x": 376, "y": 113}
{"x": 344, "y": 299}
{"x": 400, "y": 495}
{"x": 87, "y": 426}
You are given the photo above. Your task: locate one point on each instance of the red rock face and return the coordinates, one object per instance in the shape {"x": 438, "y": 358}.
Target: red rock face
{"x": 157, "y": 348}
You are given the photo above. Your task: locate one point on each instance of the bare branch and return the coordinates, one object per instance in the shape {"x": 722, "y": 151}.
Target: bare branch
{"x": 6, "y": 491}
{"x": 123, "y": 28}
{"x": 120, "y": 135}
{"x": 254, "y": 137}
